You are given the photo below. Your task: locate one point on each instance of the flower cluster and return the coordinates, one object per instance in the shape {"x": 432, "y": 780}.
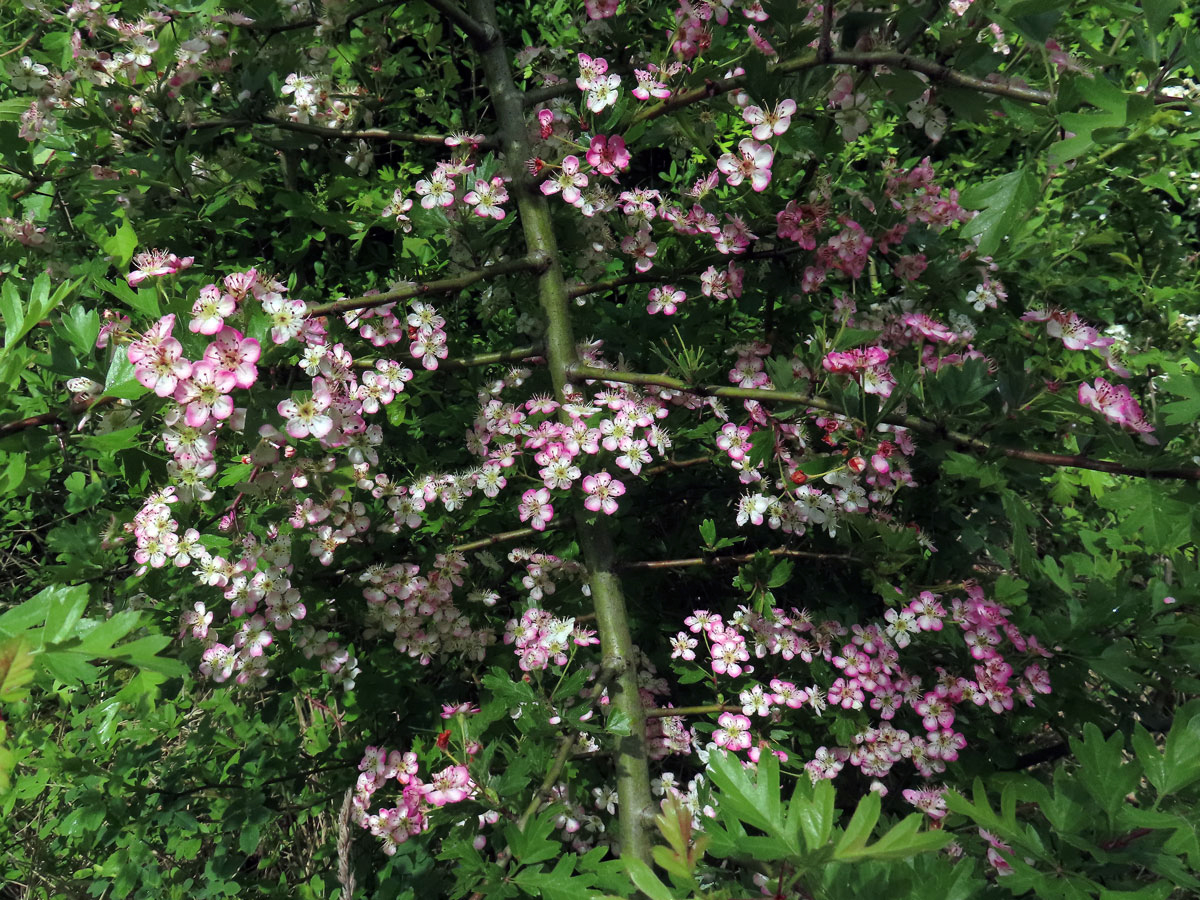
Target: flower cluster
{"x": 867, "y": 672}
{"x": 418, "y": 798}
{"x": 541, "y": 640}
{"x": 417, "y": 609}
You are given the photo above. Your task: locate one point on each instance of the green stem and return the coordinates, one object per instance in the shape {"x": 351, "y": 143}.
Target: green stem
{"x": 595, "y": 541}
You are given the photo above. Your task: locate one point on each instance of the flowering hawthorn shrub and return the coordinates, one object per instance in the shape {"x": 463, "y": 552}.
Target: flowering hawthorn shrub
{"x": 538, "y": 448}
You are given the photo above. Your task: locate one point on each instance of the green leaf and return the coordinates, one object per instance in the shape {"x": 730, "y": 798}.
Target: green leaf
{"x": 13, "y": 474}
{"x": 756, "y": 801}
{"x": 143, "y": 300}
{"x": 69, "y": 667}
{"x": 121, "y": 244}
{"x": 29, "y": 614}
{"x": 1151, "y": 514}
{"x": 1182, "y": 761}
{"x": 533, "y": 845}
{"x": 1110, "y": 104}
{"x": 13, "y": 313}
{"x": 81, "y": 326}
{"x": 858, "y": 832}
{"x": 1159, "y": 181}
{"x": 16, "y": 669}
{"x": 854, "y": 337}
{"x": 1187, "y": 410}
{"x": 1003, "y": 204}
{"x": 557, "y": 884}
{"x": 121, "y": 380}
{"x": 645, "y": 880}
{"x": 11, "y": 109}
{"x": 904, "y": 840}
{"x": 1103, "y": 770}
{"x": 762, "y": 446}
{"x": 1152, "y": 761}
{"x": 66, "y": 608}
{"x": 248, "y": 838}
{"x": 815, "y": 814}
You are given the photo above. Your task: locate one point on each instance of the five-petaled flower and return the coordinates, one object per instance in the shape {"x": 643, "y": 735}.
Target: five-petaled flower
{"x": 308, "y": 417}
{"x": 753, "y": 161}
{"x": 602, "y": 491}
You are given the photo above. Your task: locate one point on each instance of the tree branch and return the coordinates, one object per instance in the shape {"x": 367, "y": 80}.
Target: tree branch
{"x": 669, "y": 711}
{"x": 913, "y": 423}
{"x": 482, "y": 34}
{"x": 517, "y": 354}
{"x": 313, "y": 21}
{"x": 595, "y": 540}
{"x": 535, "y": 262}
{"x": 502, "y": 538}
{"x": 366, "y": 134}
{"x": 935, "y": 71}
{"x": 692, "y": 562}
{"x": 52, "y": 418}
{"x": 560, "y": 762}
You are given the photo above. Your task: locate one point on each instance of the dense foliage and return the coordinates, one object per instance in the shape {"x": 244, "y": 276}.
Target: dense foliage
{"x": 577, "y": 448}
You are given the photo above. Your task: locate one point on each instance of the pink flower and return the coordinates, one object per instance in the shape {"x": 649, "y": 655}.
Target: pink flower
{"x": 665, "y": 300}
{"x": 1116, "y": 404}
{"x": 235, "y": 353}
{"x": 217, "y": 662}
{"x": 641, "y": 248}
{"x": 735, "y": 440}
{"x": 683, "y": 646}
{"x": 210, "y": 310}
{"x": 767, "y": 124}
{"x": 308, "y": 416}
{"x": 569, "y": 180}
{"x": 602, "y": 491}
{"x": 608, "y": 154}
{"x": 603, "y": 93}
{"x": 931, "y": 801}
{"x": 734, "y": 733}
{"x": 287, "y": 317}
{"x": 156, "y": 263}
{"x": 487, "y": 197}
{"x": 206, "y": 393}
{"x": 535, "y": 508}
{"x": 590, "y": 71}
{"x": 438, "y": 190}
{"x": 753, "y": 161}
{"x": 649, "y": 86}
{"x": 451, "y": 785}
{"x": 162, "y": 370}
{"x": 601, "y": 9}
{"x": 254, "y": 637}
{"x": 450, "y": 710}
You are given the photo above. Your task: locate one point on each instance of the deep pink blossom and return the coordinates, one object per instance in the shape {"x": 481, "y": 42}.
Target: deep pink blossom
{"x": 607, "y": 155}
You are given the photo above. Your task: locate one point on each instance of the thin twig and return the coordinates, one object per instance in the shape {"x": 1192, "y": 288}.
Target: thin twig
{"x": 935, "y": 71}
{"x": 366, "y": 134}
{"x": 669, "y": 711}
{"x": 502, "y": 538}
{"x": 695, "y": 561}
{"x": 531, "y": 263}
{"x": 913, "y": 423}
{"x": 565, "y": 743}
